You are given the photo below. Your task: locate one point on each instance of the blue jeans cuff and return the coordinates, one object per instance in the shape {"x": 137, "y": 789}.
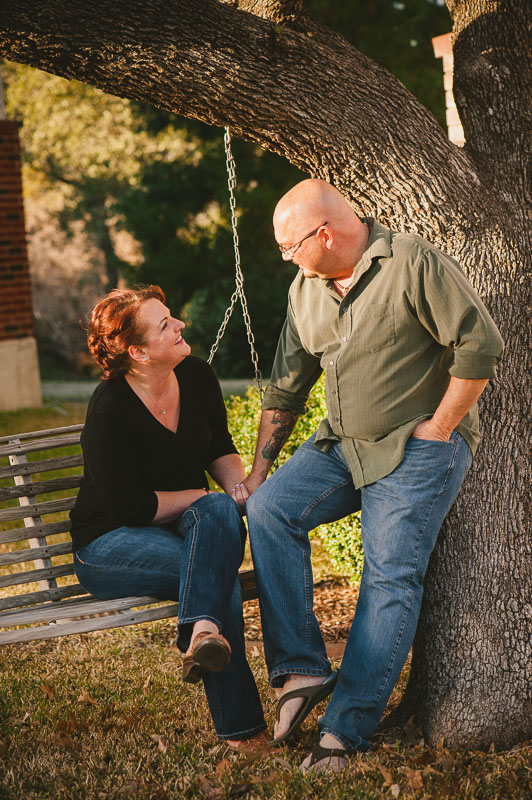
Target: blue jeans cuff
{"x": 283, "y": 672}
{"x": 247, "y": 734}
{"x": 356, "y": 743}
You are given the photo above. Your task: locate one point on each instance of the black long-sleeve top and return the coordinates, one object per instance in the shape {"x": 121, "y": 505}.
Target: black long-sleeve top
{"x": 129, "y": 455}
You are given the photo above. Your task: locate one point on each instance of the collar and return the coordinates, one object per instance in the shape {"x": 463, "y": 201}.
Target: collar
{"x": 379, "y": 245}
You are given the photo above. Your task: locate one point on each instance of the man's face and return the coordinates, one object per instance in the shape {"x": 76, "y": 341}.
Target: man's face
{"x": 303, "y": 246}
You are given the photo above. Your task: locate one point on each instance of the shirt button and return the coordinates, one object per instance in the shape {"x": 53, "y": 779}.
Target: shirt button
{"x": 331, "y": 363}
{"x": 344, "y": 339}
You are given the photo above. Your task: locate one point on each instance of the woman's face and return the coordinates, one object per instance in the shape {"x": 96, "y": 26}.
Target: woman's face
{"x": 163, "y": 342}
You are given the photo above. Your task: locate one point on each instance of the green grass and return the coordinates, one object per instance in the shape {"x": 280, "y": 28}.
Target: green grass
{"x": 106, "y": 715}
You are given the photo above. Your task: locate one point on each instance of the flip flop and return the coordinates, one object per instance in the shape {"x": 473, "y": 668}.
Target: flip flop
{"x": 318, "y": 753}
{"x": 313, "y": 695}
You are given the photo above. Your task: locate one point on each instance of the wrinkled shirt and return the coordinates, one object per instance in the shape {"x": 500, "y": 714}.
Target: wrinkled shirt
{"x": 409, "y": 321}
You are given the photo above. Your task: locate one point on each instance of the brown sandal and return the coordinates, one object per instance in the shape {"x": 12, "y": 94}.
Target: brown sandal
{"x": 210, "y": 653}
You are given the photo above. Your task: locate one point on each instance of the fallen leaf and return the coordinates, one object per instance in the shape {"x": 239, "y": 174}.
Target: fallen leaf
{"x": 386, "y": 774}
{"x": 395, "y": 790}
{"x": 48, "y": 690}
{"x": 162, "y": 745}
{"x": 414, "y": 779}
{"x": 86, "y": 698}
{"x": 217, "y": 794}
{"x": 223, "y": 767}
{"x": 63, "y": 739}
{"x": 147, "y": 682}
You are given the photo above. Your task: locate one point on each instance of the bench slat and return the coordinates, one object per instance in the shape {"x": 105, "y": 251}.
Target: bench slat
{"x": 34, "y": 446}
{"x": 36, "y": 575}
{"x": 42, "y": 596}
{"x": 46, "y": 465}
{"x": 88, "y": 606}
{"x": 19, "y": 556}
{"x": 41, "y": 434}
{"x": 119, "y": 620}
{"x": 48, "y": 529}
{"x": 37, "y": 509}
{"x": 40, "y": 487}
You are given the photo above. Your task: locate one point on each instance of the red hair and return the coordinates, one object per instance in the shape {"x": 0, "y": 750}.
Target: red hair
{"x": 113, "y": 328}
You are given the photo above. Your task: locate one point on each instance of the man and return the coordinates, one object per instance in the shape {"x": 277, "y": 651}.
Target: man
{"x": 407, "y": 348}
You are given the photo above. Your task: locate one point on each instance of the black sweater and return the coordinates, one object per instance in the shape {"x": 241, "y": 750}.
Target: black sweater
{"x": 129, "y": 455}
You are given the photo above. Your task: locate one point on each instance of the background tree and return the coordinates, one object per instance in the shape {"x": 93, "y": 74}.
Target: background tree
{"x": 274, "y": 75}
{"x": 102, "y": 164}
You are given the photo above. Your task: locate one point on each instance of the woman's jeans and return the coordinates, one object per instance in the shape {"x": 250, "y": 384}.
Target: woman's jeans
{"x": 195, "y": 562}
{"x": 401, "y": 516}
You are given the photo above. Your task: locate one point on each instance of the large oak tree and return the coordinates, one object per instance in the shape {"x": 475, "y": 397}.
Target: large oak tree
{"x": 267, "y": 70}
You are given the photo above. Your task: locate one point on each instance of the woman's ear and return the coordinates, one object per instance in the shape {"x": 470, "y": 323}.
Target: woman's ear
{"x": 137, "y": 353}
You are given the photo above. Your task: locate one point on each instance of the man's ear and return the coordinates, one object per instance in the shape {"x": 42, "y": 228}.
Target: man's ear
{"x": 137, "y": 353}
{"x": 326, "y": 236}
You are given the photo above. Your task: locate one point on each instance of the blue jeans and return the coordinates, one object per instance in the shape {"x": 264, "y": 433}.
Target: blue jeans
{"x": 401, "y": 516}
{"x": 194, "y": 560}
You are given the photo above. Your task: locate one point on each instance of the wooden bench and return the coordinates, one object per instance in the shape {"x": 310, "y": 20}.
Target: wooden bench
{"x": 40, "y": 537}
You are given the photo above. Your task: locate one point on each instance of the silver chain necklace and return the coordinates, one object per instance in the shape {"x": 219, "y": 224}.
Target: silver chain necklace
{"x": 157, "y": 406}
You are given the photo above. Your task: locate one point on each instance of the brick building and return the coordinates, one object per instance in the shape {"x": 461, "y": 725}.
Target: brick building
{"x": 20, "y": 384}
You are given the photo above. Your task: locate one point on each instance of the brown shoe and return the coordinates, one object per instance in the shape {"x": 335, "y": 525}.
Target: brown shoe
{"x": 210, "y": 653}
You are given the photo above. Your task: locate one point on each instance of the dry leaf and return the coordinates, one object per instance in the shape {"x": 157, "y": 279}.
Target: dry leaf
{"x": 223, "y": 767}
{"x": 216, "y": 794}
{"x": 86, "y": 698}
{"x": 386, "y": 774}
{"x": 414, "y": 779}
{"x": 395, "y": 790}
{"x": 48, "y": 690}
{"x": 147, "y": 682}
{"x": 63, "y": 739}
{"x": 162, "y": 745}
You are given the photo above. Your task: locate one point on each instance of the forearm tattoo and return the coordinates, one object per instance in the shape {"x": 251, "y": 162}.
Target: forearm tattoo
{"x": 285, "y": 420}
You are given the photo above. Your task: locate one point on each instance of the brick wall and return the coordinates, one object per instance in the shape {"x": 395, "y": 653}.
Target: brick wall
{"x": 16, "y": 314}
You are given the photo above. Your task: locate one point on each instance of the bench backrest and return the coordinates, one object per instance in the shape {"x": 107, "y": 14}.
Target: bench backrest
{"x": 45, "y": 485}
{"x": 40, "y": 474}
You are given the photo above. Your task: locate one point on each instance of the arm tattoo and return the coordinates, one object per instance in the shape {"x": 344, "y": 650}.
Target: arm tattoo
{"x": 285, "y": 421}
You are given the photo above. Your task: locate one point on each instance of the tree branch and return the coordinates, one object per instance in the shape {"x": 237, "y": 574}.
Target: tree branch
{"x": 305, "y": 94}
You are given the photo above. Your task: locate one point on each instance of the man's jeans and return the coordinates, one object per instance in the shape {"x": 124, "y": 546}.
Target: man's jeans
{"x": 401, "y": 516}
{"x": 196, "y": 562}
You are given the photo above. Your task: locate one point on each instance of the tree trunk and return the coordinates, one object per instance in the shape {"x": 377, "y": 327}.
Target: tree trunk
{"x": 277, "y": 78}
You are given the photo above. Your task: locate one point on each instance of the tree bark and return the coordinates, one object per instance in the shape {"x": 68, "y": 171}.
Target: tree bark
{"x": 298, "y": 89}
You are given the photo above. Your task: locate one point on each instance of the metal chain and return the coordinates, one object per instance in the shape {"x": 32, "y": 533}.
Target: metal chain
{"x": 239, "y": 277}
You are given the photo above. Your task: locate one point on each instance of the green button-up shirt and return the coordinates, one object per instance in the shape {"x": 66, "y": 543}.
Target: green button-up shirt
{"x": 409, "y": 320}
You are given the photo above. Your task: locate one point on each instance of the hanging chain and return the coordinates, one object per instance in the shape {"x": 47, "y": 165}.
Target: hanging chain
{"x": 239, "y": 277}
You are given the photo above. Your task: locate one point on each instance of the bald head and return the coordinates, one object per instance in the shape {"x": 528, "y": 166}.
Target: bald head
{"x": 318, "y": 230}
{"x": 311, "y": 202}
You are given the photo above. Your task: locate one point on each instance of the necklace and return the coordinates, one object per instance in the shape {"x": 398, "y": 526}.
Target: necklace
{"x": 157, "y": 406}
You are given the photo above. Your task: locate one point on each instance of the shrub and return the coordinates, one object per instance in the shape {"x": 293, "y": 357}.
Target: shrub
{"x": 341, "y": 539}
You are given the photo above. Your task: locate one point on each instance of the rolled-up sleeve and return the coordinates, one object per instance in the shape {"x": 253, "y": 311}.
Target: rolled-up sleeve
{"x": 294, "y": 371}
{"x": 448, "y": 306}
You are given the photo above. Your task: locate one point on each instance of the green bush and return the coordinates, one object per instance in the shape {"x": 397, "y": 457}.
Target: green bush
{"x": 341, "y": 539}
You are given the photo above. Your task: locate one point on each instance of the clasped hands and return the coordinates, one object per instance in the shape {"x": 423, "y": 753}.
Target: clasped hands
{"x": 242, "y": 491}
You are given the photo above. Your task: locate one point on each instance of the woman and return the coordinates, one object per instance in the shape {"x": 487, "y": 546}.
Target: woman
{"x": 144, "y": 522}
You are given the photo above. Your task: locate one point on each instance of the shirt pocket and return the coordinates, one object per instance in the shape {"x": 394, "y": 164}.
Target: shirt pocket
{"x": 376, "y": 327}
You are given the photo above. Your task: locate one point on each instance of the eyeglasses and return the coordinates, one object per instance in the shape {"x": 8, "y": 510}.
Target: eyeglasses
{"x": 291, "y": 249}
